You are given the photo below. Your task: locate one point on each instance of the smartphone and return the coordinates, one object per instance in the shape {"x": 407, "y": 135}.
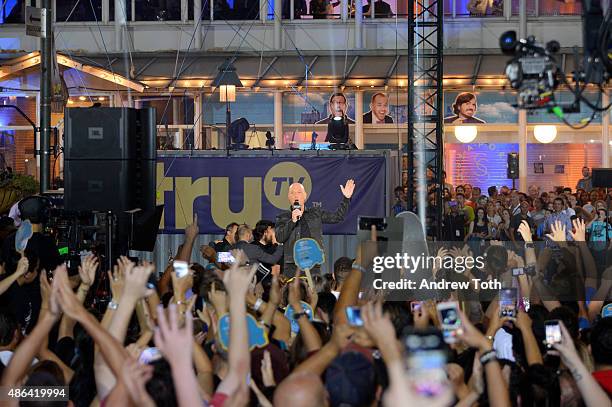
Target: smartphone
{"x": 426, "y": 361}
{"x": 181, "y": 268}
{"x": 152, "y": 281}
{"x": 353, "y": 314}
{"x": 366, "y": 223}
{"x": 517, "y": 271}
{"x": 450, "y": 321}
{"x": 553, "y": 332}
{"x": 149, "y": 355}
{"x": 416, "y": 306}
{"x": 225, "y": 257}
{"x": 452, "y": 204}
{"x": 507, "y": 302}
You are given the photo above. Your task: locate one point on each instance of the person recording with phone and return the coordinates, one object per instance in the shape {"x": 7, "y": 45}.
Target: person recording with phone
{"x": 301, "y": 222}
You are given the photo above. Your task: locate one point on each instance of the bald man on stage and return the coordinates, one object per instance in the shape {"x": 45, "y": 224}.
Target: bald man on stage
{"x": 300, "y": 222}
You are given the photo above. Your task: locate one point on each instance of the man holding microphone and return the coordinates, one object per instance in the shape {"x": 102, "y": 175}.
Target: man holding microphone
{"x": 301, "y": 222}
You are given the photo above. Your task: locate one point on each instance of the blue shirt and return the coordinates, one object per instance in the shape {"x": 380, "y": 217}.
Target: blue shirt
{"x": 597, "y": 230}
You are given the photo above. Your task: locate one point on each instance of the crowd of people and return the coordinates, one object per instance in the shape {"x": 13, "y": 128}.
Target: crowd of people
{"x": 247, "y": 333}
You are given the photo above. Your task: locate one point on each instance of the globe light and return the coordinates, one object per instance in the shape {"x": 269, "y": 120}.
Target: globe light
{"x": 545, "y": 133}
{"x": 466, "y": 134}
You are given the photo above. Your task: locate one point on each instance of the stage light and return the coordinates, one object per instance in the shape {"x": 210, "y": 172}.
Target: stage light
{"x": 466, "y": 134}
{"x": 337, "y": 132}
{"x": 237, "y": 133}
{"x": 545, "y": 133}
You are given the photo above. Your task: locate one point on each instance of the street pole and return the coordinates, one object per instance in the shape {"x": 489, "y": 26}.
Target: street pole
{"x": 46, "y": 67}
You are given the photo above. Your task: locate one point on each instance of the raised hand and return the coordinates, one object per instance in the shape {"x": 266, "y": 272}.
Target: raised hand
{"x": 237, "y": 279}
{"x": 22, "y": 266}
{"x": 294, "y": 297}
{"x": 175, "y": 343}
{"x": 566, "y": 348}
{"x": 525, "y": 231}
{"x": 135, "y": 377}
{"x": 87, "y": 270}
{"x": 557, "y": 230}
{"x": 377, "y": 325}
{"x": 580, "y": 230}
{"x": 218, "y": 299}
{"x": 136, "y": 282}
{"x": 348, "y": 188}
{"x": 267, "y": 373}
{"x": 341, "y": 336}
{"x": 275, "y": 292}
{"x": 192, "y": 230}
{"x": 208, "y": 253}
{"x": 116, "y": 282}
{"x": 67, "y": 300}
{"x": 471, "y": 336}
{"x": 523, "y": 322}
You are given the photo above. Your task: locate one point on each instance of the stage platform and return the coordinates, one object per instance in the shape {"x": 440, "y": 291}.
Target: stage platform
{"x": 224, "y": 186}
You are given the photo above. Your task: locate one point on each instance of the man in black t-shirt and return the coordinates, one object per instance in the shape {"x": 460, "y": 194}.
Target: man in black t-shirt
{"x": 264, "y": 237}
{"x": 523, "y": 215}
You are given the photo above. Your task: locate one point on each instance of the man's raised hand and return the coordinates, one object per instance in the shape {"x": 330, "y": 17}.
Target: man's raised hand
{"x": 348, "y": 188}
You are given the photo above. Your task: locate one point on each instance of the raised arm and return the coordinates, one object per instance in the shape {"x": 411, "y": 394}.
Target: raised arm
{"x": 27, "y": 350}
{"x": 523, "y": 323}
{"x": 496, "y": 385}
{"x": 592, "y": 394}
{"x": 312, "y": 340}
{"x": 236, "y": 281}
{"x": 176, "y": 344}
{"x": 318, "y": 362}
{"x": 191, "y": 234}
{"x": 338, "y": 216}
{"x": 22, "y": 268}
{"x": 111, "y": 349}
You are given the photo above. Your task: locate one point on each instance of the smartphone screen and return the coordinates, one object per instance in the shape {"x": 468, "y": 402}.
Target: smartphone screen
{"x": 517, "y": 271}
{"x": 225, "y": 257}
{"x": 426, "y": 361}
{"x": 353, "y": 314}
{"x": 553, "y": 332}
{"x": 415, "y": 306}
{"x": 450, "y": 320}
{"x": 181, "y": 268}
{"x": 507, "y": 302}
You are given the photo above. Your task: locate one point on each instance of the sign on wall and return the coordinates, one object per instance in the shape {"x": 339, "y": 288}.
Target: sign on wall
{"x": 247, "y": 189}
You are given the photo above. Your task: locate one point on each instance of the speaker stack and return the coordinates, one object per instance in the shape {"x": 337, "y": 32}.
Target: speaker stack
{"x": 513, "y": 166}
{"x": 110, "y": 156}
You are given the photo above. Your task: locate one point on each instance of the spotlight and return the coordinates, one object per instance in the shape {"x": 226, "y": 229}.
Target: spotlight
{"x": 507, "y": 42}
{"x": 337, "y": 133}
{"x": 237, "y": 132}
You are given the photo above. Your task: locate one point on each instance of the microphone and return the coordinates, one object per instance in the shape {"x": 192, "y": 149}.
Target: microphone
{"x": 296, "y": 205}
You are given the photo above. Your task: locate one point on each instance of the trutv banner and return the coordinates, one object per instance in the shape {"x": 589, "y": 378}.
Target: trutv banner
{"x": 247, "y": 189}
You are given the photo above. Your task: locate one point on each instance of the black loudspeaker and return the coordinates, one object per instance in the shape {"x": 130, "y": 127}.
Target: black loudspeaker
{"x": 513, "y": 166}
{"x": 110, "y": 133}
{"x": 110, "y": 159}
{"x": 109, "y": 185}
{"x": 601, "y": 177}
